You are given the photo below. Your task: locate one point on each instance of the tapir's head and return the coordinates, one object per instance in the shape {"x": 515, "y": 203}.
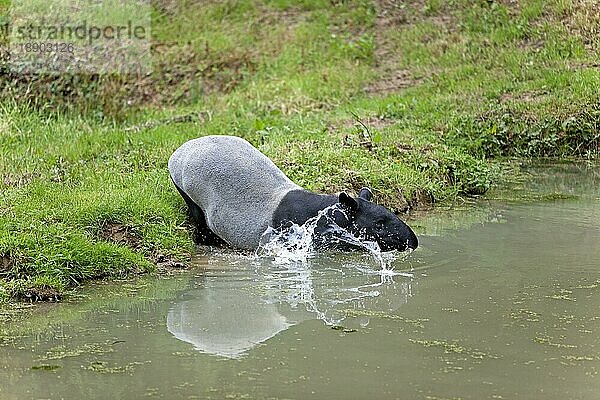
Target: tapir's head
{"x": 373, "y": 222}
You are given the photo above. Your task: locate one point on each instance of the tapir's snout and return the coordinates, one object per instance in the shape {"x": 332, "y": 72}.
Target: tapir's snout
{"x": 412, "y": 242}
{"x": 407, "y": 238}
{"x": 402, "y": 240}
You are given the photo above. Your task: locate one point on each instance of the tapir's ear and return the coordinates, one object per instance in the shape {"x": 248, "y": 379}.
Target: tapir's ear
{"x": 365, "y": 194}
{"x": 348, "y": 201}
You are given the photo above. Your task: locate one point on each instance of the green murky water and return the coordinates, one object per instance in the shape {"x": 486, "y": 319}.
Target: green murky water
{"x": 503, "y": 303}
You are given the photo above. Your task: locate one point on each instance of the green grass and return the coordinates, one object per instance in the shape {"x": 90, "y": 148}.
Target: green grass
{"x": 422, "y": 102}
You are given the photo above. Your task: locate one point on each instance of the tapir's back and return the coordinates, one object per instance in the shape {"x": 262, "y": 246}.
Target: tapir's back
{"x": 236, "y": 186}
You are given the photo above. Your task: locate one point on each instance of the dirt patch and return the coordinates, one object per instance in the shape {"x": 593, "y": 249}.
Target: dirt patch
{"x": 18, "y": 180}
{"x": 525, "y": 97}
{"x": 120, "y": 234}
{"x": 391, "y": 13}
{"x": 583, "y": 21}
{"x": 402, "y": 205}
{"x": 531, "y": 44}
{"x": 422, "y": 200}
{"x": 584, "y": 65}
{"x": 42, "y": 293}
{"x": 390, "y": 83}
{"x": 291, "y": 17}
{"x": 393, "y": 16}
{"x": 370, "y": 122}
{"x": 513, "y": 7}
{"x": 164, "y": 262}
{"x": 6, "y": 263}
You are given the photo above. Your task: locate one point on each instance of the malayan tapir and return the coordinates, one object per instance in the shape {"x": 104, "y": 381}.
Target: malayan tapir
{"x": 235, "y": 193}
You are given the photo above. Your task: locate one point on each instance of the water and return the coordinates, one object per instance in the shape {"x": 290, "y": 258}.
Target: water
{"x": 502, "y": 301}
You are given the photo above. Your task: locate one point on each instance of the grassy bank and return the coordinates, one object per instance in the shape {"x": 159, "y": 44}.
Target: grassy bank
{"x": 423, "y": 101}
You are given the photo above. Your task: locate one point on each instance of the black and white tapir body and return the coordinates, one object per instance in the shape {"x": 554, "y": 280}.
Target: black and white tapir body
{"x": 235, "y": 193}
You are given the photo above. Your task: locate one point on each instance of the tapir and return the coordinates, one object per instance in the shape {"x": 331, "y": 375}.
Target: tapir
{"x": 235, "y": 193}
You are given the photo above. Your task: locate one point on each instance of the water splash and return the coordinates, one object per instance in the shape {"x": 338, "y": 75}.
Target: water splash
{"x": 299, "y": 243}
{"x": 296, "y": 253}
{"x": 328, "y": 292}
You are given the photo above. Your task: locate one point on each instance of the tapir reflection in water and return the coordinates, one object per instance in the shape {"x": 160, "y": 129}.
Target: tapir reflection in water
{"x": 235, "y": 193}
{"x": 230, "y": 309}
{"x": 201, "y": 319}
